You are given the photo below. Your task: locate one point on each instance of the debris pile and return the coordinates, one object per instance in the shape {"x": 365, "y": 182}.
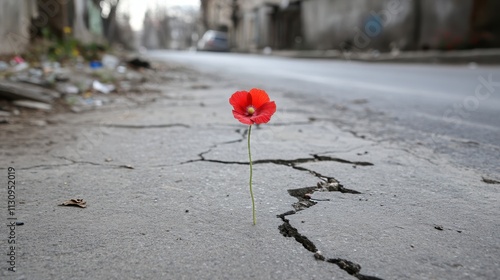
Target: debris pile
{"x": 77, "y": 85}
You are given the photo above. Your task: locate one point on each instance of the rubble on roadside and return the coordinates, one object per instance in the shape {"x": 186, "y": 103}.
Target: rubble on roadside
{"x": 75, "y": 86}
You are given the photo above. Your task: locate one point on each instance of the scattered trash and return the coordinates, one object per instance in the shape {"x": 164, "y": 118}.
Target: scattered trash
{"x": 61, "y": 76}
{"x": 127, "y": 166}
{"x": 48, "y": 66}
{"x": 34, "y": 77}
{"x": 95, "y": 64}
{"x": 18, "y": 64}
{"x": 20, "y": 67}
{"x": 85, "y": 102}
{"x": 110, "y": 61}
{"x": 83, "y": 81}
{"x": 67, "y": 88}
{"x": 35, "y": 72}
{"x": 78, "y": 202}
{"x": 138, "y": 63}
{"x": 33, "y": 105}
{"x": 103, "y": 88}
{"x": 17, "y": 60}
{"x": 121, "y": 69}
{"x": 4, "y": 66}
{"x": 12, "y": 90}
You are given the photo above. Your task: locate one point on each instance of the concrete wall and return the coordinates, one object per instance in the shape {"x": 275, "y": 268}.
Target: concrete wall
{"x": 445, "y": 24}
{"x": 469, "y": 24}
{"x": 403, "y": 24}
{"x": 254, "y": 30}
{"x": 15, "y": 22}
{"x": 263, "y": 26}
{"x": 485, "y": 24}
{"x": 218, "y": 14}
{"x": 363, "y": 25}
{"x": 358, "y": 24}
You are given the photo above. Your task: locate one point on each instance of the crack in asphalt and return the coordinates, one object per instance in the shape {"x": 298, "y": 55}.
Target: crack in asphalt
{"x": 291, "y": 163}
{"x": 73, "y": 162}
{"x": 77, "y": 161}
{"x": 49, "y": 166}
{"x": 357, "y": 134}
{"x": 489, "y": 181}
{"x": 303, "y": 196}
{"x": 287, "y": 162}
{"x": 43, "y": 166}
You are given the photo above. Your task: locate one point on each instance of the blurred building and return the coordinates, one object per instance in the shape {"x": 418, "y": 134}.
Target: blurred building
{"x": 23, "y": 20}
{"x": 255, "y": 24}
{"x": 169, "y": 28}
{"x": 363, "y": 25}
{"x": 15, "y": 22}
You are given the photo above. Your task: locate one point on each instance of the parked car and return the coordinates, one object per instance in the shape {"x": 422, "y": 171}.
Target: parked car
{"x": 215, "y": 41}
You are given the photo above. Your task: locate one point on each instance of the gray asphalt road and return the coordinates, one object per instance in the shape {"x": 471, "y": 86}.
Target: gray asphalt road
{"x": 446, "y": 104}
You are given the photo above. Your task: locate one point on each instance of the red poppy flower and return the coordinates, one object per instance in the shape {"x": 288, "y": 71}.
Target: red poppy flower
{"x": 252, "y": 107}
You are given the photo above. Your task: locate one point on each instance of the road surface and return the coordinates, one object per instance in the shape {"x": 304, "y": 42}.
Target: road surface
{"x": 447, "y": 104}
{"x": 357, "y": 176}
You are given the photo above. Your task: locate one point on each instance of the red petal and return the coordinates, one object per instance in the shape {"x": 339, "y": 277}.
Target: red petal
{"x": 264, "y": 113}
{"x": 243, "y": 118}
{"x": 259, "y": 97}
{"x": 239, "y": 100}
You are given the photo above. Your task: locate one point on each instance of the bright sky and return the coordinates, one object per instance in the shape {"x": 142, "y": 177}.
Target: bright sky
{"x": 137, "y": 8}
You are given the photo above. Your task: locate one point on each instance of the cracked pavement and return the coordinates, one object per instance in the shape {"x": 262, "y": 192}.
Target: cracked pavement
{"x": 166, "y": 185}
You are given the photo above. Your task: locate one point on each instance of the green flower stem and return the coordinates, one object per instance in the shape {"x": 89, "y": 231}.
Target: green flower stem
{"x": 251, "y": 190}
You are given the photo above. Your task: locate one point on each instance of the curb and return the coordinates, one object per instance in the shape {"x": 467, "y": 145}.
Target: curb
{"x": 479, "y": 56}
